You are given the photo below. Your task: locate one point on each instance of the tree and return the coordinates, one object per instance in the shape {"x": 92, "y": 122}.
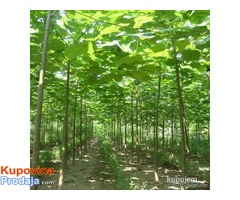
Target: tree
{"x": 36, "y": 146}
{"x": 65, "y": 135}
{"x": 156, "y": 130}
{"x": 121, "y": 61}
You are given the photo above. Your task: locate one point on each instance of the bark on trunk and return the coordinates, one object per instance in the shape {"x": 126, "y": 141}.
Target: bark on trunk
{"x": 36, "y": 145}
{"x": 65, "y": 135}
{"x": 181, "y": 115}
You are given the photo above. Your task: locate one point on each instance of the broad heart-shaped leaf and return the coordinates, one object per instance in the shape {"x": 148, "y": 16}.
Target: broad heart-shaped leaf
{"x": 200, "y": 28}
{"x": 112, "y": 76}
{"x": 75, "y": 50}
{"x": 149, "y": 68}
{"x": 51, "y": 67}
{"x": 170, "y": 62}
{"x": 85, "y": 48}
{"x": 90, "y": 48}
{"x": 201, "y": 44}
{"x": 139, "y": 75}
{"x": 139, "y": 21}
{"x": 98, "y": 15}
{"x": 190, "y": 55}
{"x": 181, "y": 44}
{"x": 95, "y": 70}
{"x": 56, "y": 44}
{"x": 162, "y": 54}
{"x": 159, "y": 47}
{"x": 129, "y": 59}
{"x": 117, "y": 77}
{"x": 109, "y": 29}
{"x": 198, "y": 16}
{"x": 199, "y": 67}
{"x": 165, "y": 14}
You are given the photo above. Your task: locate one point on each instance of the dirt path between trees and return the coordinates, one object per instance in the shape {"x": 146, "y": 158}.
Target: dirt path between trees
{"x": 88, "y": 173}
{"x": 92, "y": 173}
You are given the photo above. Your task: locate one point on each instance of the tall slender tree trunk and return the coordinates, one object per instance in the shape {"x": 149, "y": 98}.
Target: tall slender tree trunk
{"x": 80, "y": 130}
{"x": 120, "y": 132}
{"x": 137, "y": 131}
{"x": 163, "y": 134}
{"x": 208, "y": 132}
{"x": 172, "y": 125}
{"x": 46, "y": 133}
{"x": 181, "y": 114}
{"x": 74, "y": 127}
{"x": 112, "y": 128}
{"x": 51, "y": 133}
{"x": 63, "y": 169}
{"x": 125, "y": 132}
{"x": 36, "y": 145}
{"x": 114, "y": 131}
{"x": 197, "y": 135}
{"x": 188, "y": 149}
{"x": 156, "y": 133}
{"x": 132, "y": 130}
{"x": 148, "y": 130}
{"x": 86, "y": 128}
{"x": 57, "y": 133}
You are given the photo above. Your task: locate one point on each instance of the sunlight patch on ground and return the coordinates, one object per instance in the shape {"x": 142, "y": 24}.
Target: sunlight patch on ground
{"x": 166, "y": 171}
{"x": 173, "y": 188}
{"x": 147, "y": 171}
{"x": 92, "y": 181}
{"x": 135, "y": 178}
{"x": 129, "y": 169}
{"x": 85, "y": 160}
{"x": 204, "y": 169}
{"x": 109, "y": 181}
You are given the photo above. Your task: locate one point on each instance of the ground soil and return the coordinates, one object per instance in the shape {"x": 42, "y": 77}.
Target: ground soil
{"x": 91, "y": 172}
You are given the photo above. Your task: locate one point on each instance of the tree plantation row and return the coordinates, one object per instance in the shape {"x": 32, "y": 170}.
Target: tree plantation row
{"x": 134, "y": 82}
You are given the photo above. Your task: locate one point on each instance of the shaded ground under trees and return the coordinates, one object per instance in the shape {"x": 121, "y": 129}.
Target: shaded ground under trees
{"x": 92, "y": 172}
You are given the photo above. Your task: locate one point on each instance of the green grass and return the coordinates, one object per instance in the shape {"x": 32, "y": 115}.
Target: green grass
{"x": 113, "y": 162}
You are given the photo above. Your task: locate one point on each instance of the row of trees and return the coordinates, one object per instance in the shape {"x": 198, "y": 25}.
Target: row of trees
{"x": 127, "y": 73}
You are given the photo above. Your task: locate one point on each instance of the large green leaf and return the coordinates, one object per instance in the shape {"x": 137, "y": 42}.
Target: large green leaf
{"x": 75, "y": 51}
{"x": 190, "y": 55}
{"x": 139, "y": 21}
{"x": 149, "y": 68}
{"x": 198, "y": 16}
{"x": 98, "y": 15}
{"x": 90, "y": 48}
{"x": 162, "y": 54}
{"x": 159, "y": 47}
{"x": 56, "y": 44}
{"x": 170, "y": 62}
{"x": 129, "y": 59}
{"x": 202, "y": 44}
{"x": 166, "y": 14}
{"x": 139, "y": 75}
{"x": 181, "y": 44}
{"x": 200, "y": 29}
{"x": 112, "y": 76}
{"x": 117, "y": 77}
{"x": 110, "y": 29}
{"x": 95, "y": 70}
{"x": 80, "y": 49}
{"x": 199, "y": 67}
